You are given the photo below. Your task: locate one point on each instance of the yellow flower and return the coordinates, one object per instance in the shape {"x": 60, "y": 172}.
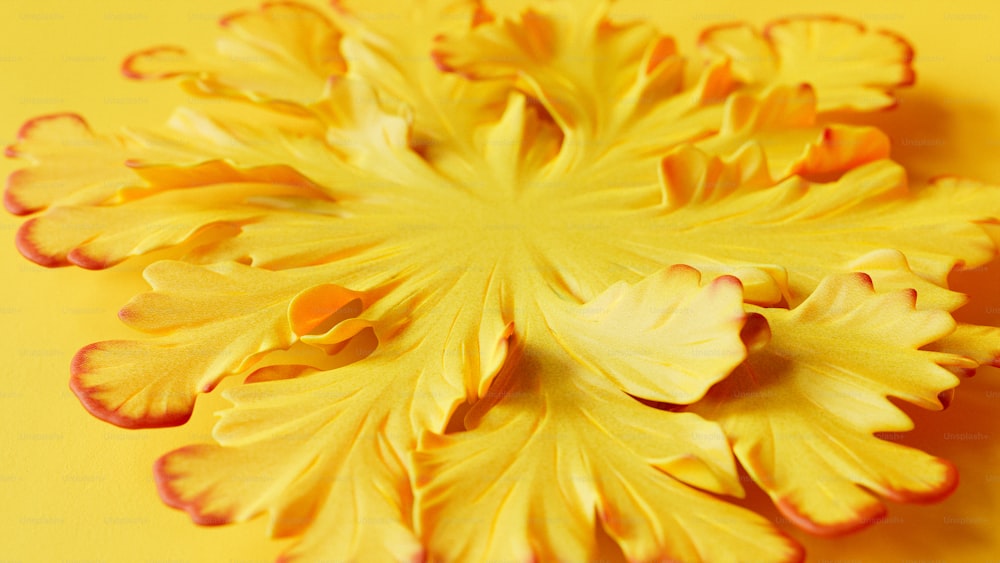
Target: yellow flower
{"x": 497, "y": 283}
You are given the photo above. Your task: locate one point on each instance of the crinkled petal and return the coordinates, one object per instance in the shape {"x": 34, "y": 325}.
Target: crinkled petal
{"x": 209, "y": 322}
{"x": 70, "y": 164}
{"x": 331, "y": 427}
{"x": 97, "y": 237}
{"x": 665, "y": 339}
{"x": 554, "y": 452}
{"x": 849, "y": 66}
{"x": 389, "y": 45}
{"x": 784, "y": 124}
{"x": 802, "y": 417}
{"x": 817, "y": 229}
{"x": 283, "y": 53}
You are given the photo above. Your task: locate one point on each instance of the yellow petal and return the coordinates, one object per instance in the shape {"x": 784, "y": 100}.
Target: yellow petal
{"x": 890, "y": 271}
{"x": 616, "y": 90}
{"x": 803, "y": 409}
{"x": 849, "y": 66}
{"x": 783, "y": 123}
{"x": 666, "y": 338}
{"x": 282, "y": 54}
{"x": 573, "y": 59}
{"x": 389, "y": 45}
{"x": 70, "y": 164}
{"x": 817, "y": 229}
{"x": 978, "y": 343}
{"x": 209, "y": 322}
{"x": 308, "y": 484}
{"x": 97, "y": 237}
{"x": 555, "y": 451}
{"x": 308, "y": 434}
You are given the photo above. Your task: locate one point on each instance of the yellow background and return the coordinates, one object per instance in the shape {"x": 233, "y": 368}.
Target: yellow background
{"x": 73, "y": 488}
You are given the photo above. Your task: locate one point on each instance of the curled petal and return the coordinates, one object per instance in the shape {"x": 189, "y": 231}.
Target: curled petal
{"x": 283, "y": 54}
{"x": 795, "y": 400}
{"x": 209, "y": 322}
{"x": 784, "y": 124}
{"x": 666, "y": 338}
{"x": 549, "y": 420}
{"x": 849, "y": 66}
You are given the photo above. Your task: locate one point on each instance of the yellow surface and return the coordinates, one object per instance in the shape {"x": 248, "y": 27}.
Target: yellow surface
{"x": 76, "y": 489}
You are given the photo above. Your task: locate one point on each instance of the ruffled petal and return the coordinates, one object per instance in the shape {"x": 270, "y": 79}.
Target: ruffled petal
{"x": 98, "y": 237}
{"x": 980, "y": 344}
{"x": 282, "y": 54}
{"x": 332, "y": 470}
{"x": 392, "y": 52}
{"x": 817, "y": 229}
{"x": 579, "y": 64}
{"x": 849, "y": 66}
{"x": 802, "y": 419}
{"x": 209, "y": 322}
{"x": 784, "y": 124}
{"x": 554, "y": 452}
{"x": 664, "y": 339}
{"x": 70, "y": 164}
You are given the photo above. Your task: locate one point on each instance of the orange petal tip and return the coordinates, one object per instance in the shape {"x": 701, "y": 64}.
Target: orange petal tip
{"x": 79, "y": 368}
{"x": 172, "y": 498}
{"x": 27, "y": 247}
{"x": 866, "y": 517}
{"x": 128, "y": 67}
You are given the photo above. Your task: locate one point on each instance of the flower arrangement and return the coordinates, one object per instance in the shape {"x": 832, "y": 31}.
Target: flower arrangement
{"x": 529, "y": 287}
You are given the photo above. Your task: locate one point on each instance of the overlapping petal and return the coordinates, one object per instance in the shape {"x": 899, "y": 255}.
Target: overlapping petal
{"x": 208, "y": 322}
{"x": 448, "y": 243}
{"x": 663, "y": 339}
{"x": 282, "y": 54}
{"x": 849, "y": 66}
{"x": 346, "y": 433}
{"x": 554, "y": 452}
{"x": 389, "y": 45}
{"x": 795, "y": 398}
{"x": 815, "y": 229}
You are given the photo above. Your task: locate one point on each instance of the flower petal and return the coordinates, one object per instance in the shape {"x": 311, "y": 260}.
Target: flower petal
{"x": 783, "y": 123}
{"x": 849, "y": 66}
{"x": 282, "y": 54}
{"x": 553, "y": 446}
{"x": 308, "y": 436}
{"x": 97, "y": 237}
{"x": 802, "y": 420}
{"x": 210, "y": 322}
{"x": 978, "y": 343}
{"x": 890, "y": 271}
{"x": 665, "y": 339}
{"x": 818, "y": 229}
{"x": 573, "y": 59}
{"x": 388, "y": 45}
{"x": 70, "y": 164}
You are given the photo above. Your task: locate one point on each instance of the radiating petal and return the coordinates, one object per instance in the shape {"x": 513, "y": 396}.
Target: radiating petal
{"x": 803, "y": 409}
{"x": 554, "y": 452}
{"x": 209, "y": 322}
{"x": 282, "y": 53}
{"x": 817, "y": 229}
{"x": 849, "y": 66}
{"x": 784, "y": 124}
{"x": 666, "y": 338}
{"x": 389, "y": 45}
